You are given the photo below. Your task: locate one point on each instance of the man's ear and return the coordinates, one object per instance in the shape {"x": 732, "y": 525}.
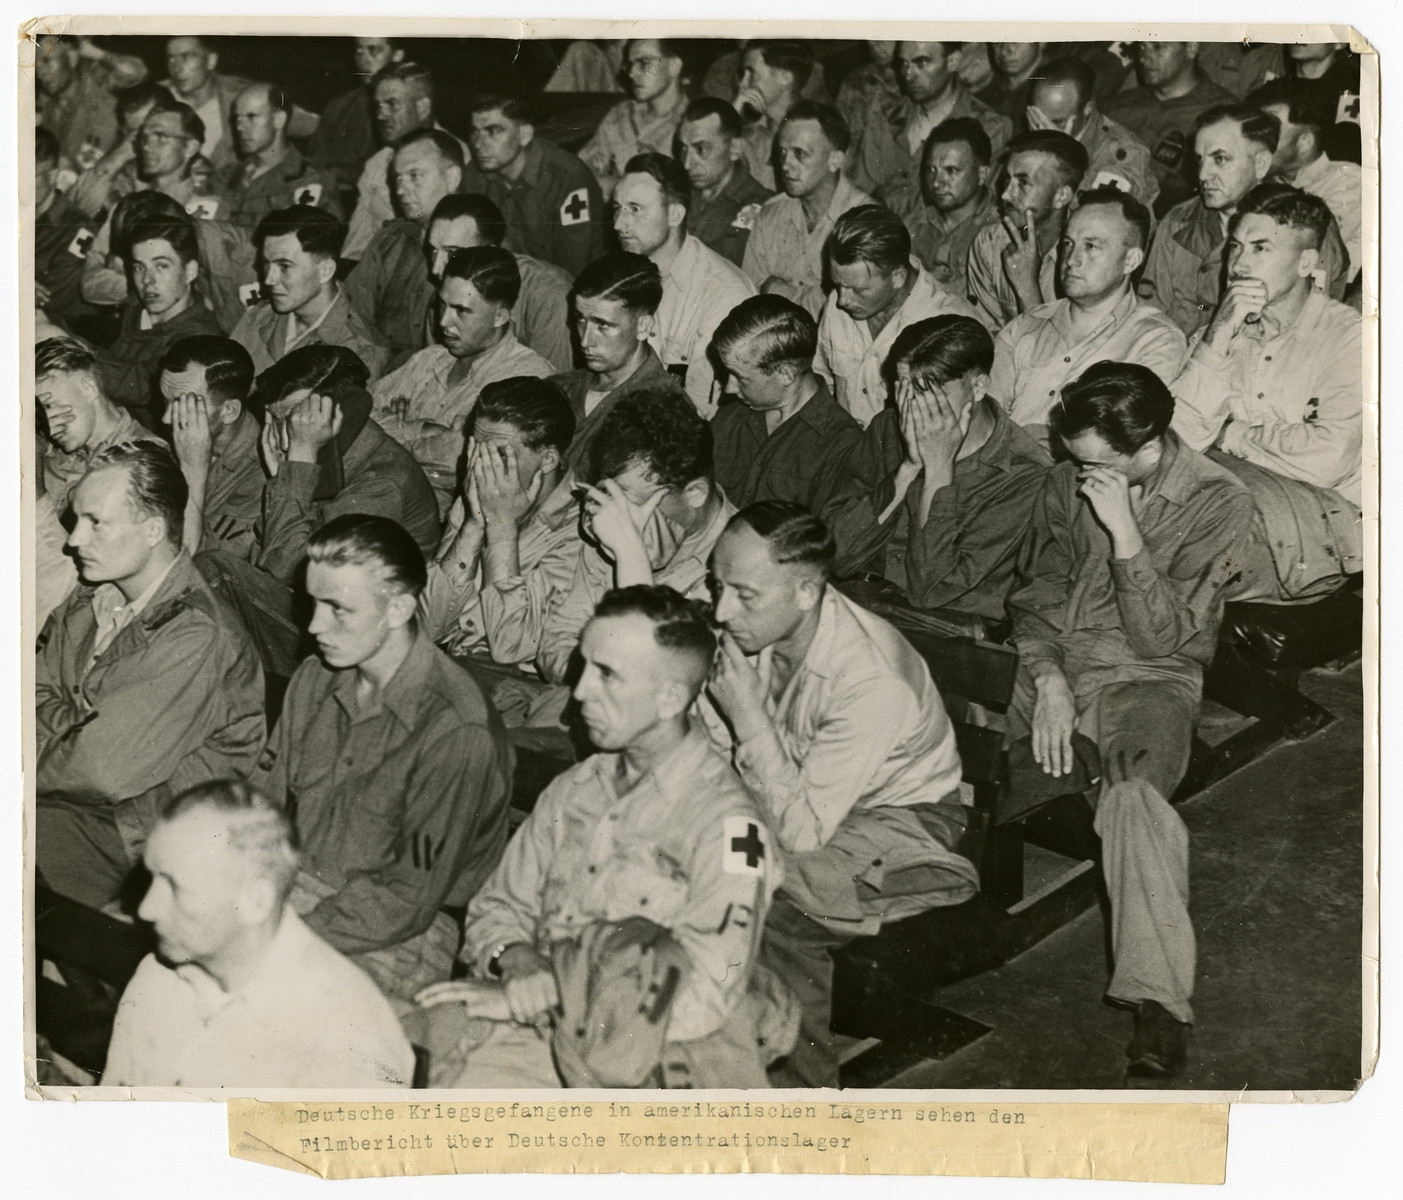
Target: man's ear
{"x": 646, "y": 324}
{"x": 1308, "y": 263}
{"x": 229, "y": 411}
{"x": 326, "y": 270}
{"x": 501, "y": 317}
{"x": 737, "y": 149}
{"x": 550, "y": 460}
{"x": 526, "y": 133}
{"x": 1063, "y": 196}
{"x": 837, "y": 160}
{"x": 697, "y": 493}
{"x": 401, "y": 609}
{"x": 901, "y": 277}
{"x": 192, "y": 270}
{"x": 280, "y": 120}
{"x": 808, "y": 593}
{"x": 1261, "y": 163}
{"x": 953, "y": 61}
{"x": 978, "y": 385}
{"x": 676, "y": 214}
{"x": 212, "y": 60}
{"x": 984, "y": 173}
{"x": 455, "y": 173}
{"x": 258, "y": 900}
{"x": 397, "y": 55}
{"x": 1133, "y": 258}
{"x": 674, "y": 698}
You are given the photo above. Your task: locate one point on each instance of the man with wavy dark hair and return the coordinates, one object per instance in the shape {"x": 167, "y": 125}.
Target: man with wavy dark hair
{"x": 146, "y": 684}
{"x": 390, "y": 761}
{"x": 1115, "y": 616}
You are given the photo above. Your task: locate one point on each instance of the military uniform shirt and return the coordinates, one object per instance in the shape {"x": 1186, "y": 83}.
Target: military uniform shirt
{"x": 1036, "y": 355}
{"x": 268, "y": 335}
{"x": 627, "y": 129}
{"x": 804, "y": 459}
{"x": 685, "y": 847}
{"x": 554, "y": 209}
{"x": 724, "y": 222}
{"x": 402, "y": 808}
{"x": 291, "y": 181}
{"x": 990, "y": 291}
{"x": 783, "y": 246}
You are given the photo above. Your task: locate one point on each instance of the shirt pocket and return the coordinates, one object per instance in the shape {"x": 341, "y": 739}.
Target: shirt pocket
{"x": 633, "y": 887}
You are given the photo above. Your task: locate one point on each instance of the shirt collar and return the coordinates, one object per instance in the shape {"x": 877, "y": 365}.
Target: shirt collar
{"x": 284, "y": 959}
{"x": 1176, "y": 480}
{"x": 1115, "y": 316}
{"x": 675, "y": 776}
{"x": 1312, "y": 173}
{"x": 560, "y": 507}
{"x": 402, "y": 696}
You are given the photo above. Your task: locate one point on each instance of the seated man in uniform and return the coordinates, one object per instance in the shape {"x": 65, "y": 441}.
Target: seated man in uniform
{"x": 424, "y": 404}
{"x": 1275, "y": 385}
{"x": 271, "y": 172}
{"x": 242, "y": 993}
{"x": 837, "y": 730}
{"x": 699, "y": 286}
{"x": 615, "y": 303}
{"x": 145, "y": 685}
{"x": 76, "y": 84}
{"x": 305, "y": 306}
{"x": 655, "y": 826}
{"x": 943, "y": 482}
{"x": 392, "y": 764}
{"x": 653, "y": 517}
{"x": 1013, "y": 261}
{"x": 164, "y": 264}
{"x": 784, "y": 256}
{"x": 205, "y": 382}
{"x": 952, "y": 202}
{"x": 887, "y": 146}
{"x": 541, "y": 315}
{"x": 81, "y": 419}
{"x": 878, "y": 290}
{"x": 323, "y": 456}
{"x": 646, "y": 123}
{"x": 550, "y": 199}
{"x": 512, "y": 537}
{"x": 788, "y": 438}
{"x": 345, "y": 136}
{"x": 1099, "y": 316}
{"x": 726, "y": 197}
{"x": 1063, "y": 96}
{"x": 390, "y": 287}
{"x": 1161, "y": 112}
{"x": 1116, "y": 613}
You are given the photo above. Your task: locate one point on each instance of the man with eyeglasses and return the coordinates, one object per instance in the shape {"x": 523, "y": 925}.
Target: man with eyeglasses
{"x": 649, "y": 120}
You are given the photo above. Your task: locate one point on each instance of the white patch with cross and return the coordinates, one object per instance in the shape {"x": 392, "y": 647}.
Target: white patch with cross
{"x": 250, "y": 294}
{"x": 745, "y": 847}
{"x": 574, "y": 209}
{"x": 81, "y": 243}
{"x": 310, "y": 193}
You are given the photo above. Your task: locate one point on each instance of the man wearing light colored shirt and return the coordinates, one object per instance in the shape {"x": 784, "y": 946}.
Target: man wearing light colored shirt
{"x": 1013, "y": 261}
{"x": 1307, "y": 115}
{"x": 1276, "y": 384}
{"x": 877, "y": 291}
{"x": 784, "y": 256}
{"x": 305, "y": 304}
{"x": 699, "y": 286}
{"x": 775, "y": 76}
{"x": 424, "y": 404}
{"x": 1099, "y": 316}
{"x": 512, "y": 537}
{"x": 243, "y": 994}
{"x": 836, "y": 727}
{"x": 648, "y": 122}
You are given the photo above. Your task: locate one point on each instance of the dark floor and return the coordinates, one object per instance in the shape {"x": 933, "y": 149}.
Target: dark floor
{"x": 1276, "y": 896}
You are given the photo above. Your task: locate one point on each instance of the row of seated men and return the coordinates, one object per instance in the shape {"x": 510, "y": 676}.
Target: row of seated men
{"x": 469, "y": 511}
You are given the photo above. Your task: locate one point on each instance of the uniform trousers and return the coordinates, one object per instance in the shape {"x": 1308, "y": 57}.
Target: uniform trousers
{"x": 1144, "y": 731}
{"x": 845, "y": 890}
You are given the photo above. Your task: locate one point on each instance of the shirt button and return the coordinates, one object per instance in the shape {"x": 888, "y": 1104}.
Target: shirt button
{"x": 1268, "y": 358}
{"x": 1067, "y": 359}
{"x": 1261, "y": 395}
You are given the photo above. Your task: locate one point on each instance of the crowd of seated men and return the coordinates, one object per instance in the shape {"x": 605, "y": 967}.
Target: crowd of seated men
{"x": 371, "y": 459}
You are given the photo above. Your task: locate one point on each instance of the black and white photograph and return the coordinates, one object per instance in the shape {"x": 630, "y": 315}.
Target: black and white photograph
{"x": 700, "y": 562}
